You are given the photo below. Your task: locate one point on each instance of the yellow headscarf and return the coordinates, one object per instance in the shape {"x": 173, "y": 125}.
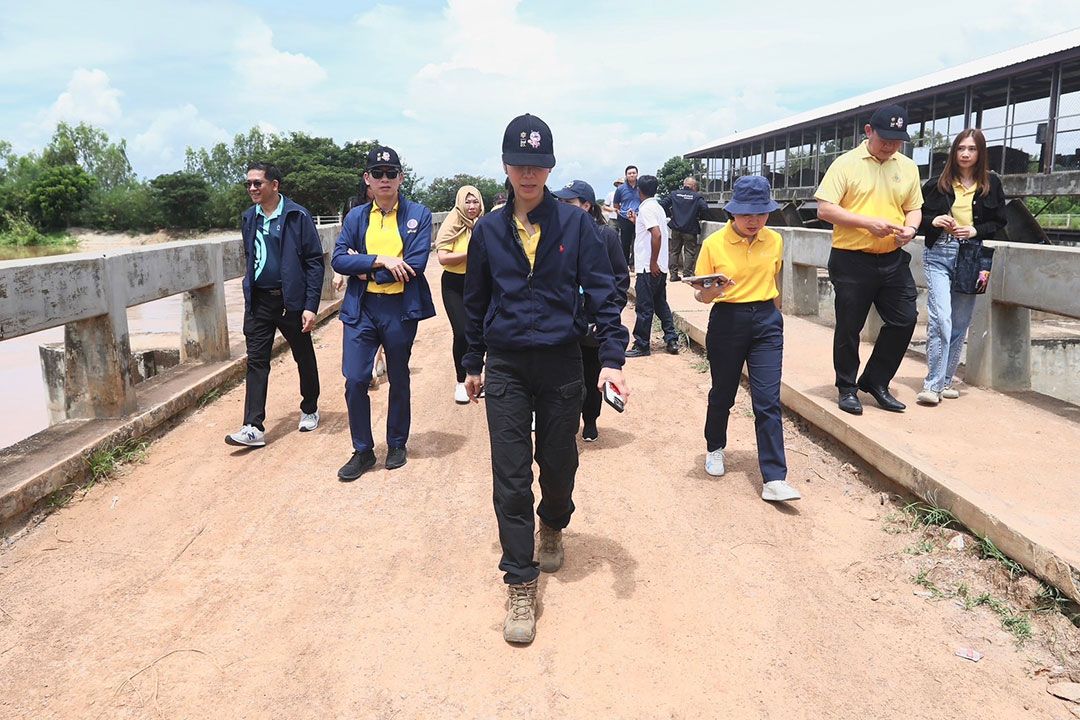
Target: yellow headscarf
{"x": 457, "y": 223}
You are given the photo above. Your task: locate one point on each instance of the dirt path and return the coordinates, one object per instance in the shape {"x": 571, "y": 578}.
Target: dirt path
{"x": 211, "y": 583}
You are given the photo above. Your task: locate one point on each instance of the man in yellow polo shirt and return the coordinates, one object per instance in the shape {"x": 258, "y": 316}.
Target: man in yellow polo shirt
{"x": 383, "y": 249}
{"x": 873, "y": 199}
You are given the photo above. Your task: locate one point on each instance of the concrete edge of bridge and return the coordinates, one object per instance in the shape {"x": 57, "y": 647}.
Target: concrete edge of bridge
{"x": 35, "y": 482}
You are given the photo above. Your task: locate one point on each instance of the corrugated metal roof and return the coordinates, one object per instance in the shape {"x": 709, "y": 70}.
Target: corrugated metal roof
{"x": 1025, "y": 53}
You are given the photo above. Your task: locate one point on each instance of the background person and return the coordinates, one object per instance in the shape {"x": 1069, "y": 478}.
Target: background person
{"x": 626, "y": 204}
{"x": 386, "y": 296}
{"x": 611, "y": 215}
{"x": 451, "y": 247}
{"x": 533, "y": 267}
{"x": 746, "y": 328}
{"x": 687, "y": 208}
{"x": 963, "y": 205}
{"x": 871, "y": 195}
{"x": 282, "y": 286}
{"x": 650, "y": 285}
{"x": 580, "y": 194}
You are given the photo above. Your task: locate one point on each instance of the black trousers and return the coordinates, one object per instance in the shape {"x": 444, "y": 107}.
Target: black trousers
{"x": 626, "y": 236}
{"x": 453, "y": 297}
{"x": 547, "y": 380}
{"x": 267, "y": 314}
{"x": 750, "y": 334}
{"x": 860, "y": 280}
{"x": 650, "y": 298}
{"x": 590, "y": 369}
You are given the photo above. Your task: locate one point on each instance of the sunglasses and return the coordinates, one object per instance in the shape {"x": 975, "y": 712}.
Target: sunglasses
{"x": 253, "y": 183}
{"x": 380, "y": 174}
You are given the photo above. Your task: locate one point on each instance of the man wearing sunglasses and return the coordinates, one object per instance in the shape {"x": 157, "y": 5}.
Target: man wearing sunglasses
{"x": 282, "y": 287}
{"x": 383, "y": 250}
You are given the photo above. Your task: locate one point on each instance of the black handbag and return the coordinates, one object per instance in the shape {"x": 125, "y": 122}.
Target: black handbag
{"x": 972, "y": 258}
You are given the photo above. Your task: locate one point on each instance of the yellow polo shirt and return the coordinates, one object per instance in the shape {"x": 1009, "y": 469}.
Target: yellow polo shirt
{"x": 459, "y": 245}
{"x": 963, "y": 198}
{"x": 752, "y": 265}
{"x": 382, "y": 238}
{"x": 860, "y": 183}
{"x": 529, "y": 241}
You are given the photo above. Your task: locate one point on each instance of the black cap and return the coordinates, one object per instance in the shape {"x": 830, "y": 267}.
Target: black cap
{"x": 383, "y": 156}
{"x": 577, "y": 189}
{"x": 527, "y": 141}
{"x": 890, "y": 122}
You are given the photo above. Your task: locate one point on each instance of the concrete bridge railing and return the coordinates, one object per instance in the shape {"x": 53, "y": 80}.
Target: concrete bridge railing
{"x": 1024, "y": 278}
{"x": 89, "y": 294}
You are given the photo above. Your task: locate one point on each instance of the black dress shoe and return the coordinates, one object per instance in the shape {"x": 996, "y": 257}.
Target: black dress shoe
{"x": 849, "y": 403}
{"x": 395, "y": 458}
{"x": 673, "y": 347}
{"x": 638, "y": 352}
{"x": 883, "y": 398}
{"x": 358, "y": 464}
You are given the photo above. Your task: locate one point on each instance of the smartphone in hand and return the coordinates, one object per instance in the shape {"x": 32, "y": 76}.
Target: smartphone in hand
{"x": 613, "y": 398}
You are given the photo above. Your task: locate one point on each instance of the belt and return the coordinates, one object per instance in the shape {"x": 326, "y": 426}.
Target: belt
{"x": 268, "y": 291}
{"x": 947, "y": 238}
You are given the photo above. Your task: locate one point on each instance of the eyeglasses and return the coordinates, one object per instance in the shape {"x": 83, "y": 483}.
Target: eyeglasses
{"x": 380, "y": 174}
{"x": 253, "y": 183}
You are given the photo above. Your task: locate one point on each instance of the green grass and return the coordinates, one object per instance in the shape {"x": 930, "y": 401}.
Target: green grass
{"x": 104, "y": 463}
{"x": 924, "y": 515}
{"x": 20, "y": 232}
{"x": 923, "y": 547}
{"x": 989, "y": 551}
{"x": 209, "y": 397}
{"x": 1012, "y": 621}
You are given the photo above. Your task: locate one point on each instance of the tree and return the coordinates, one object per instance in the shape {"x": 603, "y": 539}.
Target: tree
{"x": 439, "y": 196}
{"x": 184, "y": 198}
{"x": 674, "y": 171}
{"x": 222, "y": 164}
{"x": 57, "y": 195}
{"x": 90, "y": 148}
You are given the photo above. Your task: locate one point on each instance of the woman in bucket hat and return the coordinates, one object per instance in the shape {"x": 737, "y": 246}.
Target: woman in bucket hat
{"x": 745, "y": 327}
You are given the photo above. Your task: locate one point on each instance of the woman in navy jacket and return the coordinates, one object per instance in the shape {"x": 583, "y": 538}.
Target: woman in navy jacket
{"x": 537, "y": 269}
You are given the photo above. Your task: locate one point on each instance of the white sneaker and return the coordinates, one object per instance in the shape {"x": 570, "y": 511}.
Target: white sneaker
{"x": 779, "y": 491}
{"x": 950, "y": 392}
{"x": 309, "y": 421}
{"x": 247, "y": 436}
{"x": 461, "y": 395}
{"x": 928, "y": 397}
{"x": 714, "y": 462}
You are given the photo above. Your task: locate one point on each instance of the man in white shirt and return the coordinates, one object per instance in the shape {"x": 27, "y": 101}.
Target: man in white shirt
{"x": 651, "y": 265}
{"x": 610, "y": 213}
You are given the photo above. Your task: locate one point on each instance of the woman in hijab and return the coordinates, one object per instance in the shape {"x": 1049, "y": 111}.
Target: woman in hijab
{"x": 452, "y": 246}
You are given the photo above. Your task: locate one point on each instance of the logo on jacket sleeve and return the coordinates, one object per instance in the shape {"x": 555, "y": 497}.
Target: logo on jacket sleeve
{"x": 412, "y": 224}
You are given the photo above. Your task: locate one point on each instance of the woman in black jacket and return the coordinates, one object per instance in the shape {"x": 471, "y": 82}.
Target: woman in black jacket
{"x": 965, "y": 204}
{"x": 580, "y": 194}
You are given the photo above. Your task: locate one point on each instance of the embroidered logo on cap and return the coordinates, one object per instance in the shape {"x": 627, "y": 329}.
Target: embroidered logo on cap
{"x": 896, "y": 122}
{"x": 523, "y": 136}
{"x": 384, "y": 156}
{"x": 534, "y": 139}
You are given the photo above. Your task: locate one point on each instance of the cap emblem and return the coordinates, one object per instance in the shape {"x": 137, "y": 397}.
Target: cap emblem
{"x": 384, "y": 156}
{"x": 896, "y": 122}
{"x": 534, "y": 139}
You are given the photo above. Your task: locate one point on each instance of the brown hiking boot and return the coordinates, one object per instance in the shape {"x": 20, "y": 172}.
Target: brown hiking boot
{"x": 520, "y": 624}
{"x": 549, "y": 549}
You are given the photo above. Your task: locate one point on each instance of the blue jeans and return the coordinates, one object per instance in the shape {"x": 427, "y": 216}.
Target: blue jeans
{"x": 949, "y": 315}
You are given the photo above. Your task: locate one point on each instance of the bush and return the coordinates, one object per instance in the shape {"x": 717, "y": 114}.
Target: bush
{"x": 130, "y": 207}
{"x": 57, "y": 195}
{"x": 183, "y": 198}
{"x": 227, "y": 204}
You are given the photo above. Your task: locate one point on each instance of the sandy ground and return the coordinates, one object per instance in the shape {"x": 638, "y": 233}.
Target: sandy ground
{"x": 214, "y": 583}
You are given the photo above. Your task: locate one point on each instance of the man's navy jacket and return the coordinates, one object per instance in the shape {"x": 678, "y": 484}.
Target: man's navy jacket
{"x": 414, "y": 226}
{"x": 302, "y": 265}
{"x": 510, "y": 306}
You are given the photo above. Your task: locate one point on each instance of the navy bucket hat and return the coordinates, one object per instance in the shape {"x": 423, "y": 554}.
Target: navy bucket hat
{"x": 752, "y": 195}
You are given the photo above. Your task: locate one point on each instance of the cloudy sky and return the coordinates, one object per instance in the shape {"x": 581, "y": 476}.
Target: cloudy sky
{"x": 618, "y": 82}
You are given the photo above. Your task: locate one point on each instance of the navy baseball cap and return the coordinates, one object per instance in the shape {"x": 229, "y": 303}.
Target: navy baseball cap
{"x": 527, "y": 141}
{"x": 752, "y": 195}
{"x": 577, "y": 189}
{"x": 890, "y": 122}
{"x": 383, "y": 156}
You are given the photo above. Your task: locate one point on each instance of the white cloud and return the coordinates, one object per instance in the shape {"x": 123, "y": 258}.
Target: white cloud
{"x": 161, "y": 147}
{"x": 270, "y": 72}
{"x": 89, "y": 97}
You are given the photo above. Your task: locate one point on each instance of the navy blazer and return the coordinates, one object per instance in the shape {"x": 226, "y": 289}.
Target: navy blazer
{"x": 414, "y": 226}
